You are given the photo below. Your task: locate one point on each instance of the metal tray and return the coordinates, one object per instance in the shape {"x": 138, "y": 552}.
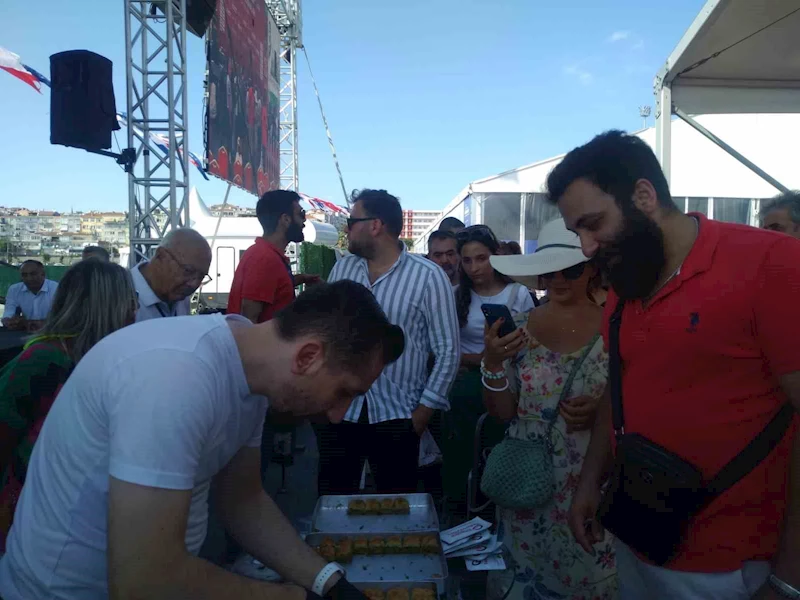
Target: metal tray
{"x": 396, "y": 569}
{"x": 330, "y": 515}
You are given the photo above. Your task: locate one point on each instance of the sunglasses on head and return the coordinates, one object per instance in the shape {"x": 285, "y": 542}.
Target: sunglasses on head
{"x": 476, "y": 233}
{"x": 570, "y": 273}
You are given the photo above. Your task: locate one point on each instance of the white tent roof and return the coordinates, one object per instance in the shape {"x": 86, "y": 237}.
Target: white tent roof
{"x": 738, "y": 56}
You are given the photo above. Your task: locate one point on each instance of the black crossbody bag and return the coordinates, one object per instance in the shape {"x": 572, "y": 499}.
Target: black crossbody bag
{"x": 653, "y": 492}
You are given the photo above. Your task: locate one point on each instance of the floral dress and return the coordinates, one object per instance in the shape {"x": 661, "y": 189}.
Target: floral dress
{"x": 547, "y": 561}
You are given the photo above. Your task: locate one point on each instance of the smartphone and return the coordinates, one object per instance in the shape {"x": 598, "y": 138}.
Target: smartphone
{"x": 493, "y": 312}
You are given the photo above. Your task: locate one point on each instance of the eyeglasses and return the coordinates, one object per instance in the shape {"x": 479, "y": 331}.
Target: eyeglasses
{"x": 570, "y": 273}
{"x": 353, "y": 220}
{"x": 476, "y": 233}
{"x": 189, "y": 272}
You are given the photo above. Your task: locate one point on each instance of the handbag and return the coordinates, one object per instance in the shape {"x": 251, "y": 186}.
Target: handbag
{"x": 654, "y": 493}
{"x": 519, "y": 473}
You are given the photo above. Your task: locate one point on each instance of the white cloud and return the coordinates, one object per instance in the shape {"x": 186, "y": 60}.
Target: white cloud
{"x": 619, "y": 36}
{"x": 582, "y": 75}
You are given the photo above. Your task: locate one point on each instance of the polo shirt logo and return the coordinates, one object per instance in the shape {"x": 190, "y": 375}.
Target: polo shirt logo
{"x": 694, "y": 321}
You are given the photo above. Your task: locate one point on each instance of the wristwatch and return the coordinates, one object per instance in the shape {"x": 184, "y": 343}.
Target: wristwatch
{"x": 783, "y": 589}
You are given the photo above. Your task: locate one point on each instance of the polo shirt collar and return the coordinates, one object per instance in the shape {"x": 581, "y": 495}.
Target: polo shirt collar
{"x": 701, "y": 256}
{"x": 47, "y": 287}
{"x": 146, "y": 295}
{"x": 260, "y": 241}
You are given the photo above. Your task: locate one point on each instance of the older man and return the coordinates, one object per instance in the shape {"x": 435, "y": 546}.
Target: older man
{"x": 782, "y": 214}
{"x": 443, "y": 250}
{"x": 28, "y": 302}
{"x": 97, "y": 252}
{"x": 115, "y": 499}
{"x": 165, "y": 283}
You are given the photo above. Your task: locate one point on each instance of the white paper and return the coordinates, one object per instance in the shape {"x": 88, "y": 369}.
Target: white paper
{"x": 494, "y": 562}
{"x": 483, "y": 549}
{"x": 451, "y": 536}
{"x": 429, "y": 452}
{"x": 474, "y": 540}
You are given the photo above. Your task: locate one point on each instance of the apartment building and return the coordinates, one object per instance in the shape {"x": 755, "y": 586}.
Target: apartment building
{"x": 415, "y": 222}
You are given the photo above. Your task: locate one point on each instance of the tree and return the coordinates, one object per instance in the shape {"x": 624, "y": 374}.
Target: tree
{"x": 342, "y": 242}
{"x": 46, "y": 258}
{"x": 408, "y": 242}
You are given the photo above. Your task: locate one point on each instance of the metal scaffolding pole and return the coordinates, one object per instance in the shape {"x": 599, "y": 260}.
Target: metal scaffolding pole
{"x": 157, "y": 105}
{"x": 288, "y": 16}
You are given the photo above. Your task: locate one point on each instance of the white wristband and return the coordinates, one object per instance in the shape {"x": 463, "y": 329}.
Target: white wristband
{"x": 323, "y": 576}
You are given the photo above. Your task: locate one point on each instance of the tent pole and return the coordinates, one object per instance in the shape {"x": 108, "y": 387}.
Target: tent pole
{"x": 730, "y": 150}
{"x": 664, "y": 127}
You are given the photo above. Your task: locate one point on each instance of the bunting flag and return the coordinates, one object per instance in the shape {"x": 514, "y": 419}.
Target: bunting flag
{"x": 11, "y": 63}
{"x": 325, "y": 206}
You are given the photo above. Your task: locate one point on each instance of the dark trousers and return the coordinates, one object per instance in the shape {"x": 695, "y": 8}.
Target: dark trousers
{"x": 391, "y": 447}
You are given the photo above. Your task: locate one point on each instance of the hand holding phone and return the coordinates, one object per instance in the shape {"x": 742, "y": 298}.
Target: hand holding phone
{"x": 495, "y": 312}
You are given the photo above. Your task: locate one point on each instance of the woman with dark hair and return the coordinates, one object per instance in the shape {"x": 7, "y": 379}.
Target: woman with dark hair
{"x": 93, "y": 299}
{"x": 479, "y": 284}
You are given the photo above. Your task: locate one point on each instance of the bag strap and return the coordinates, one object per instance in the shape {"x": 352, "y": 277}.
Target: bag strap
{"x": 615, "y": 370}
{"x": 751, "y": 456}
{"x": 576, "y": 366}
{"x": 743, "y": 463}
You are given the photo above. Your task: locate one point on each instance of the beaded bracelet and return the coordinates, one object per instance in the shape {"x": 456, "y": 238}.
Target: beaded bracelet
{"x": 491, "y": 375}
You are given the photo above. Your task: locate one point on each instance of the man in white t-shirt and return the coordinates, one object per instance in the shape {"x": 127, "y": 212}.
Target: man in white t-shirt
{"x": 115, "y": 500}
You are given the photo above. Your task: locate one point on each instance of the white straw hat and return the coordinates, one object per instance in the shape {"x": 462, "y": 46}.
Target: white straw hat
{"x": 557, "y": 249}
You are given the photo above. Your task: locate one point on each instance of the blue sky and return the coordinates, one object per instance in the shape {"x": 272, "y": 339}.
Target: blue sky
{"x": 422, "y": 96}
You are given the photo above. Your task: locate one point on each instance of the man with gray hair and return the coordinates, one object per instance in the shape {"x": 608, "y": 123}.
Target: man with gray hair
{"x": 165, "y": 283}
{"x": 782, "y": 214}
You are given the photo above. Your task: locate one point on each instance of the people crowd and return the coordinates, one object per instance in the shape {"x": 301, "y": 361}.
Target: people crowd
{"x": 646, "y": 405}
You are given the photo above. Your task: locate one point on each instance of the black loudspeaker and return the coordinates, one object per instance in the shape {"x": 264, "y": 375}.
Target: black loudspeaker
{"x": 198, "y": 14}
{"x": 83, "y": 112}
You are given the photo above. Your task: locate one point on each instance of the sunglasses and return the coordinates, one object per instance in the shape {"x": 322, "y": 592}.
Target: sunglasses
{"x": 353, "y": 220}
{"x": 476, "y": 233}
{"x": 570, "y": 273}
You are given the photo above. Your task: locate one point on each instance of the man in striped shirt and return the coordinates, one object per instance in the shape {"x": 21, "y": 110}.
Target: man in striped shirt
{"x": 385, "y": 425}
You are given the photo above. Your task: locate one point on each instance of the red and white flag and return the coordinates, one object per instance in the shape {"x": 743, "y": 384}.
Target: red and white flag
{"x": 10, "y": 62}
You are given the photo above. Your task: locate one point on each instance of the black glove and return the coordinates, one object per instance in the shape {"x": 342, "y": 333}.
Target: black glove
{"x": 343, "y": 590}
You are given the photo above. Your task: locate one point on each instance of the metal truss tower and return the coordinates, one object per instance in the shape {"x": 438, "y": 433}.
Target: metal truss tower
{"x": 288, "y": 16}
{"x": 158, "y": 186}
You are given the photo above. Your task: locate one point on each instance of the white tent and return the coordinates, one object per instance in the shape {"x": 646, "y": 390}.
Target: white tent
{"x": 738, "y": 56}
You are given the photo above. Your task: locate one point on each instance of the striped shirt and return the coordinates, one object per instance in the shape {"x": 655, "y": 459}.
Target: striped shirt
{"x": 416, "y": 295}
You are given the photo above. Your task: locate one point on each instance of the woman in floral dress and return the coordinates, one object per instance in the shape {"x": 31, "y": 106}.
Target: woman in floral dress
{"x": 535, "y": 362}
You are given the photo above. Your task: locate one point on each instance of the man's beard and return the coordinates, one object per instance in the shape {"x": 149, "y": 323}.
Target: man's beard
{"x": 635, "y": 260}
{"x": 363, "y": 250}
{"x": 295, "y": 233}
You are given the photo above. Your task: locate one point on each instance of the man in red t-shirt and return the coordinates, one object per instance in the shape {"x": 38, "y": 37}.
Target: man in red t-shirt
{"x": 263, "y": 283}
{"x": 707, "y": 346}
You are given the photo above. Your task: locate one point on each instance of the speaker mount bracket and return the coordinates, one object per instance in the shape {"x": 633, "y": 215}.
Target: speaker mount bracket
{"x": 126, "y": 158}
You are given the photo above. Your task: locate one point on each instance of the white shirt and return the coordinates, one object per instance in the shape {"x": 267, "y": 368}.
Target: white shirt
{"x": 35, "y": 307}
{"x": 150, "y": 305}
{"x": 514, "y": 295}
{"x": 163, "y": 403}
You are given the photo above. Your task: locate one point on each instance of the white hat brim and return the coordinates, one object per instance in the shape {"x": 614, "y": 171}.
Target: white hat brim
{"x": 538, "y": 263}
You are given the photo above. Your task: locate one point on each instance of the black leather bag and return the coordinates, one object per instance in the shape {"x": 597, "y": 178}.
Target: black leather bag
{"x": 654, "y": 493}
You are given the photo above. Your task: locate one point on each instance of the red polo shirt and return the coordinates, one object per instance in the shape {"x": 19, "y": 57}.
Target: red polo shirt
{"x": 262, "y": 276}
{"x": 701, "y": 368}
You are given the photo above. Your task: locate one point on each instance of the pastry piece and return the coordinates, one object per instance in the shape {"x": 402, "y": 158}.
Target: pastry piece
{"x": 372, "y": 594}
{"x": 361, "y": 545}
{"x": 400, "y": 506}
{"x": 357, "y": 507}
{"x": 429, "y": 544}
{"x": 394, "y": 544}
{"x": 423, "y": 594}
{"x": 373, "y": 506}
{"x": 412, "y": 544}
{"x": 377, "y": 545}
{"x": 327, "y": 552}
{"x": 397, "y": 594}
{"x": 387, "y": 506}
{"x": 344, "y": 550}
